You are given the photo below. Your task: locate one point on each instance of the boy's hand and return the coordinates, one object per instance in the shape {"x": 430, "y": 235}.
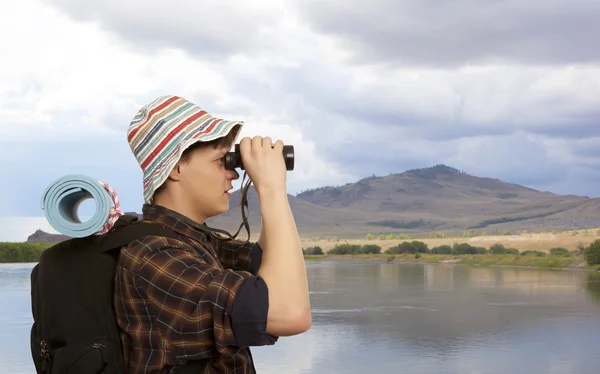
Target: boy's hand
{"x": 264, "y": 163}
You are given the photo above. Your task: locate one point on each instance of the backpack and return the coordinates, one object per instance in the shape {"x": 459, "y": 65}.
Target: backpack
{"x": 74, "y": 328}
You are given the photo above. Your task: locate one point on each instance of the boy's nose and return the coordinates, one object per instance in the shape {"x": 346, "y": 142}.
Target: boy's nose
{"x": 232, "y": 174}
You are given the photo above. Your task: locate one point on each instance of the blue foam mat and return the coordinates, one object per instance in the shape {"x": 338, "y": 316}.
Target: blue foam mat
{"x": 62, "y": 198}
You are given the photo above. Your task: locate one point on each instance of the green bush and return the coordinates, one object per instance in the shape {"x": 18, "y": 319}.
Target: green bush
{"x": 345, "y": 249}
{"x": 533, "y": 253}
{"x": 467, "y": 249}
{"x": 404, "y": 247}
{"x": 313, "y": 251}
{"x": 481, "y": 250}
{"x": 21, "y": 252}
{"x": 559, "y": 251}
{"x": 512, "y": 251}
{"x": 370, "y": 249}
{"x": 592, "y": 253}
{"x": 499, "y": 249}
{"x": 421, "y": 247}
{"x": 442, "y": 250}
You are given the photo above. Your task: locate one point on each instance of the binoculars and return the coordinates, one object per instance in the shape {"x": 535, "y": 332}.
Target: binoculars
{"x": 234, "y": 159}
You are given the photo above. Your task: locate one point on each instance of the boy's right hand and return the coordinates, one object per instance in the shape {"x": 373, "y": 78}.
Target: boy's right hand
{"x": 264, "y": 163}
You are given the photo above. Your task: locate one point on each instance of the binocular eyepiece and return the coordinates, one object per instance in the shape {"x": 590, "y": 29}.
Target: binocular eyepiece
{"x": 234, "y": 159}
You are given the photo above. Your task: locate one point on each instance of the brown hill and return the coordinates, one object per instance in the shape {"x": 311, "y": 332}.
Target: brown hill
{"x": 40, "y": 236}
{"x": 438, "y": 198}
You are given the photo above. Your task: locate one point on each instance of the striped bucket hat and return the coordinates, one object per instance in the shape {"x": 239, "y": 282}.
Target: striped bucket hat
{"x": 163, "y": 129}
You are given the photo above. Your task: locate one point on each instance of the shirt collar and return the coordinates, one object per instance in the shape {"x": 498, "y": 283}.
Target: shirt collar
{"x": 176, "y": 221}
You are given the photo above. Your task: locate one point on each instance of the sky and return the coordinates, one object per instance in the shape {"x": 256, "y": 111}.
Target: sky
{"x": 504, "y": 89}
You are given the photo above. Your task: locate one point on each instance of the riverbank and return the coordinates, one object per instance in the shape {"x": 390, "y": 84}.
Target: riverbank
{"x": 547, "y": 262}
{"x": 571, "y": 240}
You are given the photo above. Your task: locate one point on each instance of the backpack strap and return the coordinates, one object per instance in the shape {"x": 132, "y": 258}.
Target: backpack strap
{"x": 128, "y": 229}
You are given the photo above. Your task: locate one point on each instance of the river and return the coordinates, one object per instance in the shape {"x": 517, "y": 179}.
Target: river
{"x": 376, "y": 317}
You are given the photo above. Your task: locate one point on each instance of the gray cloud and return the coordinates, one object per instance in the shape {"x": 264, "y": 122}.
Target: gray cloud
{"x": 364, "y": 133}
{"x": 210, "y": 29}
{"x": 312, "y": 90}
{"x": 589, "y": 149}
{"x": 454, "y": 33}
{"x": 480, "y": 121}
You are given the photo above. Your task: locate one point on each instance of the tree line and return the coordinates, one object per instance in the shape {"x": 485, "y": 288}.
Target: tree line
{"x": 591, "y": 253}
{"x": 31, "y": 252}
{"x": 22, "y": 252}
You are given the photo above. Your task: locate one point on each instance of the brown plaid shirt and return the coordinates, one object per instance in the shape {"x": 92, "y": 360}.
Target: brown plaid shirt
{"x": 197, "y": 298}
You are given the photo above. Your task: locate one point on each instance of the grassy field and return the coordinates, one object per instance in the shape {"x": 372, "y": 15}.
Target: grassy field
{"x": 571, "y": 240}
{"x": 525, "y": 241}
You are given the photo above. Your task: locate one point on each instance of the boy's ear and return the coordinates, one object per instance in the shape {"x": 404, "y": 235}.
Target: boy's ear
{"x": 175, "y": 173}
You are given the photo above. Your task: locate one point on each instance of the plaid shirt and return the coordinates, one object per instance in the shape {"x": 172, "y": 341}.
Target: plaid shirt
{"x": 197, "y": 298}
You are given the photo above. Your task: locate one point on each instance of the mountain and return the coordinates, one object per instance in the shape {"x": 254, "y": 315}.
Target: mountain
{"x": 438, "y": 198}
{"x": 40, "y": 236}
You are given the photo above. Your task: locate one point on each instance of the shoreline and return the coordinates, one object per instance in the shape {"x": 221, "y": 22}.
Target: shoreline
{"x": 509, "y": 261}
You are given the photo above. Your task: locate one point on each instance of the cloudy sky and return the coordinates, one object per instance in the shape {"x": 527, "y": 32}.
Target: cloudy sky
{"x": 504, "y": 88}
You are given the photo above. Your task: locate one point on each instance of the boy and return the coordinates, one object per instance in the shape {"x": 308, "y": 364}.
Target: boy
{"x": 198, "y": 301}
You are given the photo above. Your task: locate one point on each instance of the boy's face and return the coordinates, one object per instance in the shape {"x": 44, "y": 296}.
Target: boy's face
{"x": 205, "y": 182}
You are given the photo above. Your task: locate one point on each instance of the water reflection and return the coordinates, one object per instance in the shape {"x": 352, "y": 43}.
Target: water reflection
{"x": 446, "y": 311}
{"x": 410, "y": 318}
{"x": 592, "y": 286}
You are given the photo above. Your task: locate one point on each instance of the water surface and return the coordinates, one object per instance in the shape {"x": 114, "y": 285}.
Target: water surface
{"x": 404, "y": 318}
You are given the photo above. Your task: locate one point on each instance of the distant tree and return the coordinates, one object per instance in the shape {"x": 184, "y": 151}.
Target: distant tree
{"x": 592, "y": 253}
{"x": 463, "y": 249}
{"x": 313, "y": 251}
{"x": 442, "y": 250}
{"x": 404, "y": 247}
{"x": 421, "y": 247}
{"x": 559, "y": 251}
{"x": 345, "y": 249}
{"x": 497, "y": 249}
{"x": 533, "y": 253}
{"x": 370, "y": 249}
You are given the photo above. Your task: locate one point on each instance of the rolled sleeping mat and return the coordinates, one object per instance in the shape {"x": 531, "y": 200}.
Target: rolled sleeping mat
{"x": 62, "y": 198}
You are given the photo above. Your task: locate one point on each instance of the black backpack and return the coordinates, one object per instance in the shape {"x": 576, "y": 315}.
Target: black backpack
{"x": 74, "y": 329}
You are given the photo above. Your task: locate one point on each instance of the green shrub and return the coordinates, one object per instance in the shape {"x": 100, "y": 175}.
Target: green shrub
{"x": 404, "y": 247}
{"x": 592, "y": 253}
{"x": 313, "y": 251}
{"x": 464, "y": 249}
{"x": 22, "y": 252}
{"x": 533, "y": 253}
{"x": 559, "y": 251}
{"x": 370, "y": 249}
{"x": 499, "y": 249}
{"x": 442, "y": 250}
{"x": 345, "y": 249}
{"x": 421, "y": 247}
{"x": 512, "y": 251}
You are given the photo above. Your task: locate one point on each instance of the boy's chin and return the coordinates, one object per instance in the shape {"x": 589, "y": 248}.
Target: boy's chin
{"x": 224, "y": 209}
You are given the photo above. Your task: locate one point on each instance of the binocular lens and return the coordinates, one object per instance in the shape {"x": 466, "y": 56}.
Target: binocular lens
{"x": 233, "y": 159}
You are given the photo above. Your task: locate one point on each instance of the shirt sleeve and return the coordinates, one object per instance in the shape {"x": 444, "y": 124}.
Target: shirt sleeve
{"x": 240, "y": 256}
{"x": 198, "y": 305}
